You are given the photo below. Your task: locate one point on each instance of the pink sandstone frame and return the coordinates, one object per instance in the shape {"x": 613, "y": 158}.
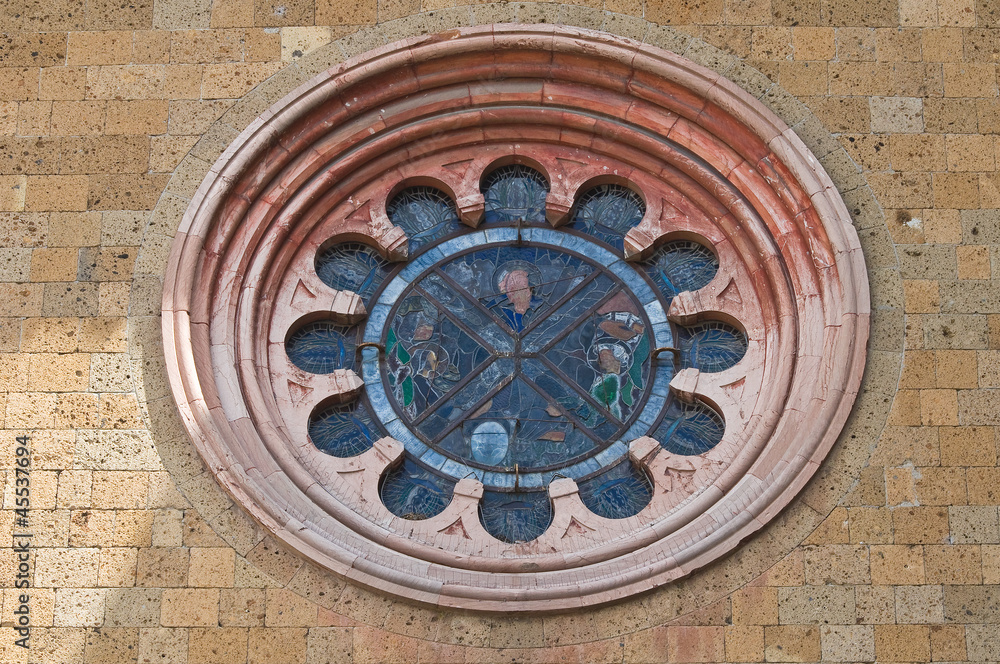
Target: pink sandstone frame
{"x": 582, "y": 107}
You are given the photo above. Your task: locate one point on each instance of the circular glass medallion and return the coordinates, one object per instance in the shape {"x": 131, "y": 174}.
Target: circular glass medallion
{"x": 512, "y": 362}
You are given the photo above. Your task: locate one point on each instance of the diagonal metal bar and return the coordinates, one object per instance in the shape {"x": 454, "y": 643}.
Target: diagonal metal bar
{"x": 572, "y": 384}
{"x": 473, "y": 408}
{"x": 456, "y": 320}
{"x": 563, "y": 300}
{"x": 566, "y": 413}
{"x": 472, "y": 375}
{"x": 475, "y": 301}
{"x": 572, "y": 326}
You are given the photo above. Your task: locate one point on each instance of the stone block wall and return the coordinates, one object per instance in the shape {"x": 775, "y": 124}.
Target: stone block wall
{"x": 111, "y": 114}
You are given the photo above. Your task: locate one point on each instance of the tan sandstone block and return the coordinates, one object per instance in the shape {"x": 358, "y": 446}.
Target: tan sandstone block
{"x": 190, "y": 607}
{"x": 56, "y": 193}
{"x": 49, "y": 335}
{"x": 120, "y": 411}
{"x": 956, "y": 368}
{"x": 242, "y": 607}
{"x": 143, "y": 117}
{"x": 755, "y": 605}
{"x": 58, "y": 372}
{"x": 79, "y": 607}
{"x": 922, "y": 296}
{"x": 113, "y": 47}
{"x": 967, "y": 152}
{"x": 117, "y": 567}
{"x": 973, "y": 262}
{"x": 970, "y": 80}
{"x": 66, "y": 568}
{"x": 745, "y": 643}
{"x": 953, "y": 564}
{"x": 695, "y": 644}
{"x": 278, "y": 645}
{"x": 54, "y": 264}
{"x": 162, "y": 567}
{"x": 792, "y": 643}
{"x": 939, "y": 407}
{"x": 920, "y": 525}
{"x": 902, "y": 643}
{"x": 217, "y": 646}
{"x": 12, "y": 192}
{"x": 212, "y": 567}
{"x": 895, "y": 564}
{"x": 119, "y": 489}
{"x": 948, "y": 643}
{"x": 78, "y": 118}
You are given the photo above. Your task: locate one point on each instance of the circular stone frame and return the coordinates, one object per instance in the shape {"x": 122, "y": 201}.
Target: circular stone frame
{"x": 732, "y": 172}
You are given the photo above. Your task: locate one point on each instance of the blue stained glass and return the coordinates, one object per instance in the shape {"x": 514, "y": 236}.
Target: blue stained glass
{"x": 519, "y": 516}
{"x": 515, "y": 193}
{"x": 608, "y": 212}
{"x": 681, "y": 266}
{"x": 425, "y": 213}
{"x": 711, "y": 346}
{"x": 689, "y": 428}
{"x": 352, "y": 266}
{"x": 412, "y": 492}
{"x": 322, "y": 347}
{"x": 618, "y": 492}
{"x": 344, "y": 430}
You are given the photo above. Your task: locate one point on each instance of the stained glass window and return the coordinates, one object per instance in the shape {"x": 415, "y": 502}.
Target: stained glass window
{"x": 516, "y": 354}
{"x": 425, "y": 213}
{"x": 515, "y": 516}
{"x": 608, "y": 212}
{"x": 413, "y": 492}
{"x": 322, "y": 347}
{"x": 618, "y": 492}
{"x": 515, "y": 193}
{"x": 711, "y": 345}
{"x": 689, "y": 428}
{"x": 352, "y": 266}
{"x": 343, "y": 430}
{"x": 681, "y": 266}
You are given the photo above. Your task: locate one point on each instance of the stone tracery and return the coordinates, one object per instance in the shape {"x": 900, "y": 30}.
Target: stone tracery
{"x": 314, "y": 178}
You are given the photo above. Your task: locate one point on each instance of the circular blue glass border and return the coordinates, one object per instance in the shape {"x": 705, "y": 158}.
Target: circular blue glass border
{"x": 379, "y": 400}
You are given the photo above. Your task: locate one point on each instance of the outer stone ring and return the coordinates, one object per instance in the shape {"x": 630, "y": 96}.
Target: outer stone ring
{"x": 515, "y": 318}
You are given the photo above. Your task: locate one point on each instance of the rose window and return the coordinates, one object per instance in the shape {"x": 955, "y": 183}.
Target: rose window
{"x": 516, "y": 353}
{"x": 515, "y": 318}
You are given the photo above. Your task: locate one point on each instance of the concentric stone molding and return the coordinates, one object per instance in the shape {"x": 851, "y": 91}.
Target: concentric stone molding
{"x": 319, "y": 166}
